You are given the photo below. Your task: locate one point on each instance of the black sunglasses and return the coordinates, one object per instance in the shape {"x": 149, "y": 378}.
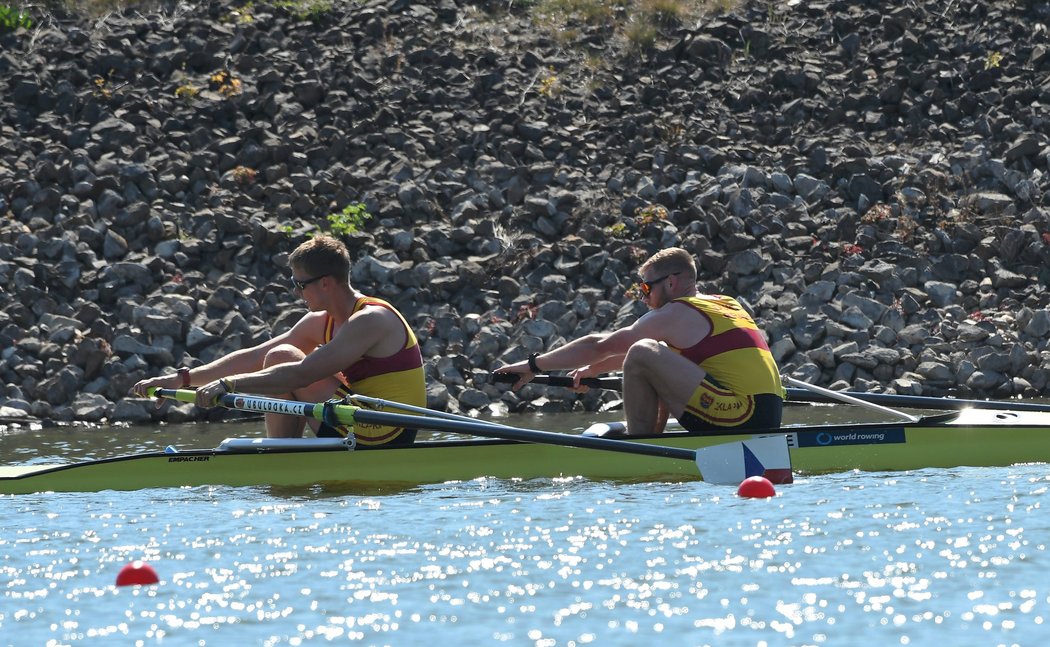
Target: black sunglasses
{"x": 301, "y": 285}
{"x": 647, "y": 286}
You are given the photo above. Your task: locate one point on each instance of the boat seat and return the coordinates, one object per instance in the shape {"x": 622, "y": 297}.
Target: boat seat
{"x": 606, "y": 429}
{"x": 619, "y": 429}
{"x": 305, "y": 444}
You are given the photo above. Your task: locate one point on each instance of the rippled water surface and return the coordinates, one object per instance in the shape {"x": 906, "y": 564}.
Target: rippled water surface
{"x": 898, "y": 558}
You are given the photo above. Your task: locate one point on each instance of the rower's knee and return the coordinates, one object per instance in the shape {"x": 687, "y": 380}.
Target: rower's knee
{"x": 642, "y": 353}
{"x": 282, "y": 354}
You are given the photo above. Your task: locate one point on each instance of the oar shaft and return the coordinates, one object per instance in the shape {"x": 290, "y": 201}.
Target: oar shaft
{"x": 380, "y": 404}
{"x": 846, "y": 397}
{"x": 809, "y": 395}
{"x": 922, "y": 402}
{"x": 347, "y": 414}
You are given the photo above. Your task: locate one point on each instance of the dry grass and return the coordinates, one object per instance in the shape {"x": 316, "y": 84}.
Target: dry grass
{"x": 304, "y": 9}
{"x": 594, "y": 13}
{"x": 664, "y": 13}
{"x": 97, "y": 8}
{"x": 639, "y": 25}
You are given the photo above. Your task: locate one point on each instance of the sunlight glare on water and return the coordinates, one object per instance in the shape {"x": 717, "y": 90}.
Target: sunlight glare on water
{"x": 904, "y": 558}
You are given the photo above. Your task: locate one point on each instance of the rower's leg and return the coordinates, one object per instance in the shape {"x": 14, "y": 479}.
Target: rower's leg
{"x": 284, "y": 426}
{"x": 653, "y": 373}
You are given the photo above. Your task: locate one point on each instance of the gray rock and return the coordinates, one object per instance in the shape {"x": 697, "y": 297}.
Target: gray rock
{"x": 495, "y": 183}
{"x": 1039, "y": 325}
{"x": 782, "y": 349}
{"x": 935, "y": 371}
{"x": 91, "y": 407}
{"x": 856, "y": 319}
{"x": 471, "y": 398}
{"x": 810, "y": 188}
{"x": 132, "y": 411}
{"x": 984, "y": 383}
{"x": 942, "y": 294}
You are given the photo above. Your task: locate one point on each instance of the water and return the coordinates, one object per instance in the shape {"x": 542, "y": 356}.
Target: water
{"x": 900, "y": 558}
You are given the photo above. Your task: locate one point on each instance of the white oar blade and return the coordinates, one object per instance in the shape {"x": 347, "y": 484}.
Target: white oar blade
{"x": 731, "y": 463}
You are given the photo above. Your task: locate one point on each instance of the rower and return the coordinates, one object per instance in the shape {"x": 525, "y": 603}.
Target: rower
{"x": 699, "y": 357}
{"x": 348, "y": 341}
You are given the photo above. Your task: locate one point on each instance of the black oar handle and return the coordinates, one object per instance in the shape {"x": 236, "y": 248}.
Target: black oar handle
{"x": 610, "y": 383}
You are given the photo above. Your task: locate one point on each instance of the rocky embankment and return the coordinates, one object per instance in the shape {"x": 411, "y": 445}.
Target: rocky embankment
{"x": 870, "y": 177}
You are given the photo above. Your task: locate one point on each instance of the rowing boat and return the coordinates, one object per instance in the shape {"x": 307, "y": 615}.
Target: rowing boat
{"x": 312, "y": 461}
{"x": 502, "y": 452}
{"x": 973, "y": 437}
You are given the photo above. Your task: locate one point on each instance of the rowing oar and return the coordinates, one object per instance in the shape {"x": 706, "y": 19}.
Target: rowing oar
{"x": 849, "y": 398}
{"x": 378, "y": 404}
{"x": 610, "y": 383}
{"x": 723, "y": 464}
{"x": 808, "y": 395}
{"x": 913, "y": 401}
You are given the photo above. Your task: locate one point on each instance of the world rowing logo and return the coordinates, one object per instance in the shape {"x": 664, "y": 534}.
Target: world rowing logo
{"x": 853, "y": 436}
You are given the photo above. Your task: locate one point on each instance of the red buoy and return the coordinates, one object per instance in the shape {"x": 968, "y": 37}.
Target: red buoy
{"x": 136, "y": 573}
{"x": 756, "y": 487}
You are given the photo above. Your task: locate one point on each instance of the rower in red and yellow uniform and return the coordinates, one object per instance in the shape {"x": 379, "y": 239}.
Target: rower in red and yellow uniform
{"x": 398, "y": 377}
{"x": 347, "y": 341}
{"x": 699, "y": 357}
{"x": 742, "y": 383}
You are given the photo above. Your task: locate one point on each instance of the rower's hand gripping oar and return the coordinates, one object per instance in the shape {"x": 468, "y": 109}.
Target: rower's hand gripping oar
{"x": 724, "y": 464}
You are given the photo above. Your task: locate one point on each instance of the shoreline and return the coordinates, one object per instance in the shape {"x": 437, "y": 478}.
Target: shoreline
{"x": 882, "y": 203}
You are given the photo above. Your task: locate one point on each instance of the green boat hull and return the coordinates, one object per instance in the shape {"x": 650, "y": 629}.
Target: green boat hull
{"x": 972, "y": 438}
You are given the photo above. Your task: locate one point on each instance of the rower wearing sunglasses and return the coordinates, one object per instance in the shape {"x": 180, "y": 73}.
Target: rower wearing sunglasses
{"x": 699, "y": 357}
{"x": 347, "y": 341}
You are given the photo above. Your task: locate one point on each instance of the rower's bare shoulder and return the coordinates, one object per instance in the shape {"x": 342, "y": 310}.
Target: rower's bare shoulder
{"x": 372, "y": 319}
{"x": 374, "y": 314}
{"x": 309, "y": 328}
{"x": 672, "y": 311}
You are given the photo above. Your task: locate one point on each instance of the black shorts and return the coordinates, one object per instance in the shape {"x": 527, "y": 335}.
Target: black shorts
{"x": 766, "y": 412}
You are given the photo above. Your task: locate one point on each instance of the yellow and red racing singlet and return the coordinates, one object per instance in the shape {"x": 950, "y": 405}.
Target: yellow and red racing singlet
{"x": 734, "y": 354}
{"x": 398, "y": 378}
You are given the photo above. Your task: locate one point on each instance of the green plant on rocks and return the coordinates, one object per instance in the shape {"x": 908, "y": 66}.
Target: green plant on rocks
{"x": 187, "y": 92}
{"x": 349, "y": 220}
{"x": 993, "y": 60}
{"x": 242, "y": 15}
{"x": 549, "y": 83}
{"x": 12, "y": 19}
{"x": 651, "y": 213}
{"x": 312, "y": 10}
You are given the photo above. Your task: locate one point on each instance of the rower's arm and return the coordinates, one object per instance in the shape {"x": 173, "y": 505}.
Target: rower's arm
{"x": 596, "y": 349}
{"x": 303, "y": 335}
